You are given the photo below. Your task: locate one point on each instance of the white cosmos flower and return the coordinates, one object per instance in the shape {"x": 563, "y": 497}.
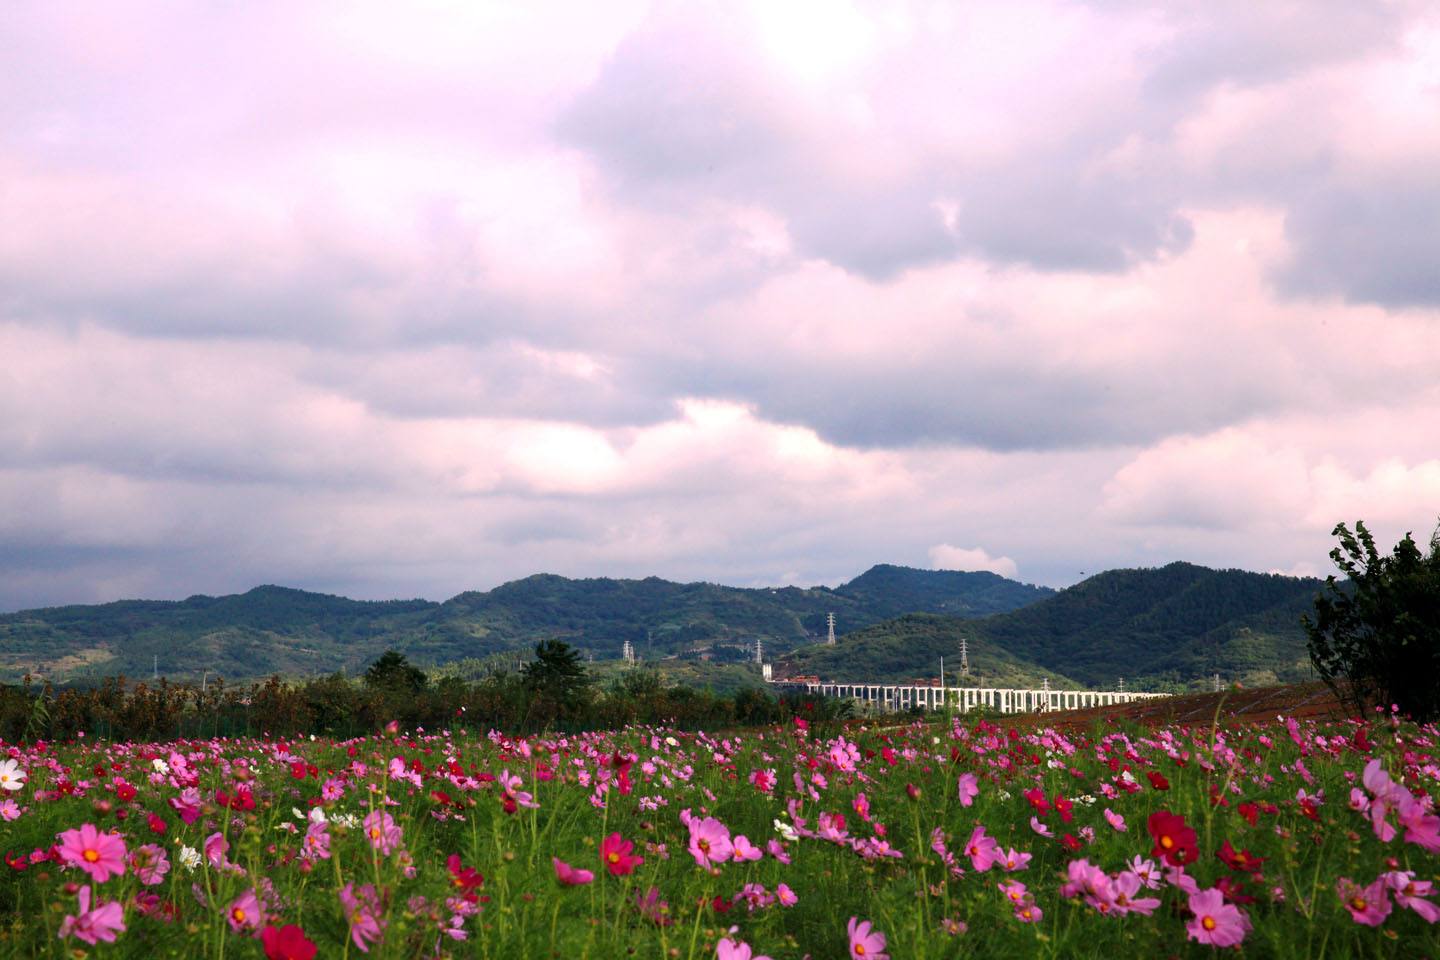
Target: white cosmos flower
{"x": 11, "y": 776}
{"x": 317, "y": 815}
{"x": 786, "y": 831}
{"x": 190, "y": 858}
{"x": 161, "y": 767}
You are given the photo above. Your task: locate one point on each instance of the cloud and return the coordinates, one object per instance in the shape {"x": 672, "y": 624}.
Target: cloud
{"x": 409, "y": 302}
{"x": 945, "y": 557}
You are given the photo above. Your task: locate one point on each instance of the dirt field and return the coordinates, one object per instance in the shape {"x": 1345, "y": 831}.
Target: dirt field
{"x": 1305, "y": 700}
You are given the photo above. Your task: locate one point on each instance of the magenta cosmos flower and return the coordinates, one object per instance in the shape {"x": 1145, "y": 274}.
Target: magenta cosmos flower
{"x": 866, "y": 943}
{"x": 615, "y": 854}
{"x": 245, "y": 912}
{"x": 710, "y": 842}
{"x": 969, "y": 789}
{"x": 101, "y": 855}
{"x": 1368, "y": 905}
{"x": 101, "y": 923}
{"x": 728, "y": 949}
{"x": 571, "y": 876}
{"x": 383, "y": 831}
{"x": 364, "y": 910}
{"x": 1216, "y": 922}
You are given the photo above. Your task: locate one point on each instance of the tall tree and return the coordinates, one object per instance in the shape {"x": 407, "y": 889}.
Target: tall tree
{"x": 557, "y": 680}
{"x": 1375, "y": 637}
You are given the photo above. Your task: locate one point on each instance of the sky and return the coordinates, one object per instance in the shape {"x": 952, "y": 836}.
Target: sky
{"x": 400, "y": 300}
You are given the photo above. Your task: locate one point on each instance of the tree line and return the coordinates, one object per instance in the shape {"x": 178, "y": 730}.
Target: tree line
{"x": 551, "y": 692}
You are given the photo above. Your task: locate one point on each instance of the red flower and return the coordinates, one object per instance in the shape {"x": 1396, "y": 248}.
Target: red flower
{"x": 466, "y": 878}
{"x": 1239, "y": 860}
{"x": 1036, "y": 796}
{"x": 157, "y": 823}
{"x": 1062, "y": 806}
{"x": 1250, "y": 811}
{"x": 1071, "y": 843}
{"x": 1233, "y": 889}
{"x": 1157, "y": 780}
{"x": 1174, "y": 840}
{"x": 124, "y": 792}
{"x": 615, "y": 854}
{"x": 297, "y": 770}
{"x": 287, "y": 943}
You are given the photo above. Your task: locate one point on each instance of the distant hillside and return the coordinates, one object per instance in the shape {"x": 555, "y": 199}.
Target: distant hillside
{"x": 279, "y": 630}
{"x": 909, "y": 648}
{"x": 1169, "y": 625}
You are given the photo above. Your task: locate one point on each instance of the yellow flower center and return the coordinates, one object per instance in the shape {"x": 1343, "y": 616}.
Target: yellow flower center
{"x": 91, "y": 856}
{"x": 375, "y": 833}
{"x": 1358, "y": 903}
{"x": 859, "y": 949}
{"x": 704, "y": 845}
{"x": 239, "y": 914}
{"x": 1208, "y": 923}
{"x": 613, "y": 857}
{"x": 1166, "y": 842}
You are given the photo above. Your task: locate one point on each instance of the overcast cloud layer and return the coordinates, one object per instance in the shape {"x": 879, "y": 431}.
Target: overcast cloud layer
{"x": 426, "y": 297}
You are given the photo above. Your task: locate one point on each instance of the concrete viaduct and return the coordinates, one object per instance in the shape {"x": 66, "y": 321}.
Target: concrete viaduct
{"x": 902, "y": 697}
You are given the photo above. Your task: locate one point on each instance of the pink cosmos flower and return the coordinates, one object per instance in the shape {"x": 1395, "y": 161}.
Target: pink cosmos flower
{"x": 1040, "y": 828}
{"x": 101, "y": 923}
{"x": 710, "y": 842}
{"x": 511, "y": 796}
{"x": 365, "y": 913}
{"x": 866, "y": 943}
{"x": 1012, "y": 860}
{"x": 728, "y": 949}
{"x": 101, "y": 855}
{"x": 763, "y": 780}
{"x": 969, "y": 789}
{"x": 745, "y": 850}
{"x": 382, "y": 831}
{"x": 982, "y": 850}
{"x": 571, "y": 876}
{"x": 1028, "y": 912}
{"x": 777, "y": 850}
{"x": 244, "y": 912}
{"x": 1410, "y": 893}
{"x": 1115, "y": 820}
{"x": 10, "y": 810}
{"x": 215, "y": 848}
{"x": 785, "y": 895}
{"x": 1125, "y": 888}
{"x": 1216, "y": 922}
{"x": 149, "y": 863}
{"x": 316, "y": 845}
{"x": 1368, "y": 905}
{"x": 1015, "y": 891}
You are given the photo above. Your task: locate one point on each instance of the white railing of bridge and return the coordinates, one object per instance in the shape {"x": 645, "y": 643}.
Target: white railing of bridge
{"x": 1001, "y": 700}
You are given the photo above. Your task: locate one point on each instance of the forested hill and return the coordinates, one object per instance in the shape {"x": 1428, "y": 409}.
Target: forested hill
{"x": 1174, "y": 624}
{"x": 278, "y": 630}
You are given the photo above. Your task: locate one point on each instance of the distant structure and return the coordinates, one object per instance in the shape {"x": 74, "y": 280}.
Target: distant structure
{"x": 1045, "y": 685}
{"x": 767, "y": 671}
{"x": 964, "y": 658}
{"x": 1217, "y": 683}
{"x": 759, "y": 651}
{"x": 1121, "y": 685}
{"x": 627, "y": 652}
{"x": 830, "y": 622}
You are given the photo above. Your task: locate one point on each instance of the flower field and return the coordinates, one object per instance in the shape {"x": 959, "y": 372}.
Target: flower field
{"x": 948, "y": 838}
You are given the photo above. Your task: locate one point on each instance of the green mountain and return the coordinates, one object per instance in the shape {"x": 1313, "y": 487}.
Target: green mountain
{"x": 908, "y": 649}
{"x": 278, "y": 630}
{"x": 1167, "y": 626}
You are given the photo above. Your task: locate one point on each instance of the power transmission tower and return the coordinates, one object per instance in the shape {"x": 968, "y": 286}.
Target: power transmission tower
{"x": 759, "y": 651}
{"x": 964, "y": 658}
{"x": 830, "y": 622}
